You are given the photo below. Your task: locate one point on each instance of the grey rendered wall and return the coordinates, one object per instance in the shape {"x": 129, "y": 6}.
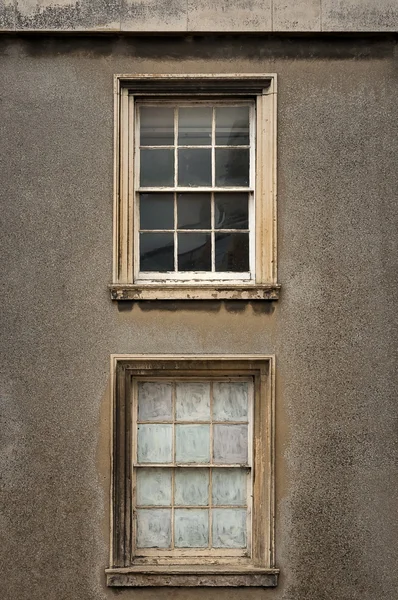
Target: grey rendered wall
{"x": 333, "y": 330}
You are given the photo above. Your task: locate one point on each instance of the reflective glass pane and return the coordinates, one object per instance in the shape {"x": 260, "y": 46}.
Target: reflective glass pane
{"x": 193, "y": 401}
{"x": 154, "y": 401}
{"x": 229, "y": 486}
{"x": 193, "y": 443}
{"x": 194, "y": 252}
{"x": 230, "y": 401}
{"x": 231, "y": 211}
{"x": 156, "y": 211}
{"x": 232, "y": 126}
{"x": 232, "y": 252}
{"x": 230, "y": 444}
{"x": 157, "y": 126}
{"x": 229, "y": 528}
{"x": 192, "y": 487}
{"x": 154, "y": 528}
{"x": 194, "y": 126}
{"x": 153, "y": 487}
{"x": 194, "y": 167}
{"x": 156, "y": 252}
{"x": 232, "y": 167}
{"x": 191, "y": 528}
{"x": 194, "y": 211}
{"x": 155, "y": 443}
{"x": 156, "y": 168}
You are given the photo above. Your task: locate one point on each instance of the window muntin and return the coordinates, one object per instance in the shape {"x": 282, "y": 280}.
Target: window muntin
{"x": 192, "y": 469}
{"x": 194, "y": 182}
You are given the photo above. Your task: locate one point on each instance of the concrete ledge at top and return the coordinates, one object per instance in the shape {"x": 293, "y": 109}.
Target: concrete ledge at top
{"x": 173, "y": 16}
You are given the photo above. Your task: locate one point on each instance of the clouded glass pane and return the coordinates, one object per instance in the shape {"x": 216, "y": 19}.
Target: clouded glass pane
{"x": 229, "y": 486}
{"x": 230, "y": 444}
{"x": 156, "y": 168}
{"x": 194, "y": 211}
{"x": 232, "y": 252}
{"x": 155, "y": 443}
{"x": 157, "y": 252}
{"x": 232, "y": 167}
{"x": 153, "y": 487}
{"x": 229, "y": 528}
{"x": 194, "y": 126}
{"x": 192, "y": 443}
{"x": 232, "y": 126}
{"x": 154, "y": 401}
{"x": 230, "y": 401}
{"x": 154, "y": 528}
{"x": 156, "y": 211}
{"x": 193, "y": 401}
{"x": 194, "y": 167}
{"x": 192, "y": 487}
{"x": 157, "y": 126}
{"x": 231, "y": 210}
{"x": 191, "y": 528}
{"x": 194, "y": 252}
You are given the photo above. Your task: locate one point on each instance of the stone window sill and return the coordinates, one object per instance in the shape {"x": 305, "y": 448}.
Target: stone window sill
{"x": 131, "y": 292}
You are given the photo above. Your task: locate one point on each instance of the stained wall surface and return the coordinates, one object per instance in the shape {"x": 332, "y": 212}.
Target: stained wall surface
{"x": 333, "y": 331}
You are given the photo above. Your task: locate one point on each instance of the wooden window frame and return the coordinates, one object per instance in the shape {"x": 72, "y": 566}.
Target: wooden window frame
{"x": 255, "y": 570}
{"x": 260, "y": 88}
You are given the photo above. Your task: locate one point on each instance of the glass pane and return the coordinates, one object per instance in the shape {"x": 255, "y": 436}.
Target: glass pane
{"x": 192, "y": 487}
{"x": 230, "y": 444}
{"x": 194, "y": 211}
{"x": 232, "y": 167}
{"x": 194, "y": 126}
{"x": 156, "y": 211}
{"x": 230, "y": 401}
{"x": 229, "y": 486}
{"x": 153, "y": 487}
{"x": 191, "y": 528}
{"x": 155, "y": 443}
{"x": 154, "y": 401}
{"x": 154, "y": 528}
{"x": 232, "y": 252}
{"x": 157, "y": 126}
{"x": 194, "y": 167}
{"x": 232, "y": 126}
{"x": 193, "y": 443}
{"x": 156, "y": 168}
{"x": 229, "y": 528}
{"x": 193, "y": 401}
{"x": 194, "y": 252}
{"x": 231, "y": 211}
{"x": 157, "y": 252}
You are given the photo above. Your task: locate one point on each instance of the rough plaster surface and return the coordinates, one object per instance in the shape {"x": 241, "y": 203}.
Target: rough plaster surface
{"x": 333, "y": 330}
{"x": 199, "y": 15}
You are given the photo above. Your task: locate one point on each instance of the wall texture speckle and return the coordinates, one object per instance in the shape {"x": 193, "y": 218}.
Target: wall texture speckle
{"x": 333, "y": 330}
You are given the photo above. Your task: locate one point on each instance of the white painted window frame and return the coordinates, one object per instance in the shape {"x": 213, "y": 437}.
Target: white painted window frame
{"x": 261, "y": 283}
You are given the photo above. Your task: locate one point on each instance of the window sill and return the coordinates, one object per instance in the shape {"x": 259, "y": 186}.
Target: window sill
{"x": 191, "y": 576}
{"x": 125, "y": 291}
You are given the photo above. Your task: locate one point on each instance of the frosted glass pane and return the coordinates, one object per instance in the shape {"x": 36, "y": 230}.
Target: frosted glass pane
{"x": 191, "y": 528}
{"x": 155, "y": 443}
{"x": 230, "y": 444}
{"x": 230, "y": 401}
{"x": 229, "y": 528}
{"x": 229, "y": 486}
{"x": 192, "y": 443}
{"x": 153, "y": 487}
{"x": 154, "y": 528}
{"x": 193, "y": 401}
{"x": 192, "y": 487}
{"x": 154, "y": 401}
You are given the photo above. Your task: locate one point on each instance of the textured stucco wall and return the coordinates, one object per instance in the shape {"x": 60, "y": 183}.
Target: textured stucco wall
{"x": 199, "y": 15}
{"x": 333, "y": 330}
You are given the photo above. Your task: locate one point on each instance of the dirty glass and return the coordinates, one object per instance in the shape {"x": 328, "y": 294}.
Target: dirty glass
{"x": 232, "y": 252}
{"x": 194, "y": 252}
{"x": 194, "y": 211}
{"x": 154, "y": 528}
{"x": 156, "y": 126}
{"x": 191, "y": 487}
{"x": 229, "y": 528}
{"x": 229, "y": 487}
{"x": 230, "y": 444}
{"x": 153, "y": 487}
{"x": 154, "y": 401}
{"x": 157, "y": 211}
{"x": 232, "y": 167}
{"x": 230, "y": 401}
{"x": 231, "y": 210}
{"x": 194, "y": 167}
{"x": 192, "y": 443}
{"x": 157, "y": 252}
{"x": 192, "y": 401}
{"x": 155, "y": 443}
{"x": 194, "y": 126}
{"x": 156, "y": 167}
{"x": 191, "y": 528}
{"x": 232, "y": 126}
